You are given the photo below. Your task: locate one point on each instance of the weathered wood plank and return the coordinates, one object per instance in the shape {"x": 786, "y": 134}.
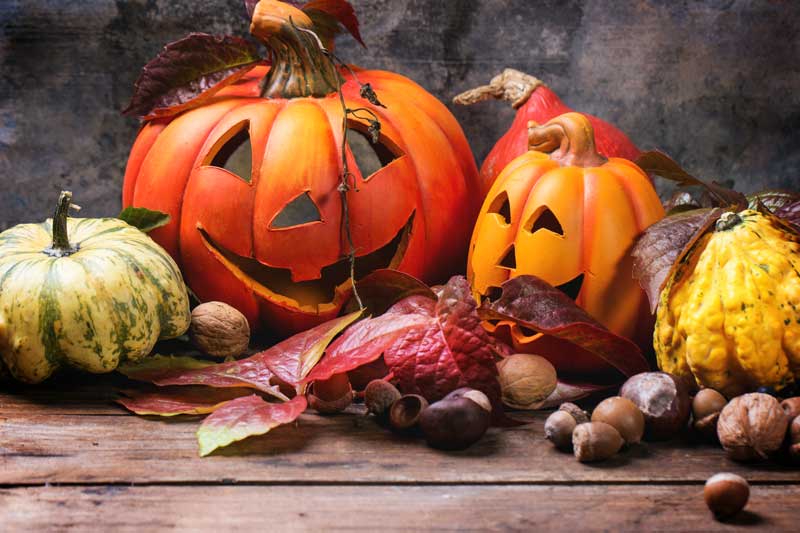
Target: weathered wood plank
{"x": 38, "y": 448}
{"x": 386, "y": 508}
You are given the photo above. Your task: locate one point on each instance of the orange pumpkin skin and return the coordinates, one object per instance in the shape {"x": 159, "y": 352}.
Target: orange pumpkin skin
{"x": 568, "y": 218}
{"x": 424, "y": 201}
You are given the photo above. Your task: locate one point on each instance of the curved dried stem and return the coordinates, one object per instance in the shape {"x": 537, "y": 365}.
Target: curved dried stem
{"x": 510, "y": 86}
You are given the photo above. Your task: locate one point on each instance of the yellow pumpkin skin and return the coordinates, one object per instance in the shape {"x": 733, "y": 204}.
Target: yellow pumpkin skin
{"x": 729, "y": 318}
{"x": 107, "y": 302}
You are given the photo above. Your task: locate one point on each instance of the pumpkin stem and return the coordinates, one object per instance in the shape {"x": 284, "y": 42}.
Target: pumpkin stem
{"x": 61, "y": 246}
{"x": 568, "y": 138}
{"x": 300, "y": 66}
{"x": 510, "y": 86}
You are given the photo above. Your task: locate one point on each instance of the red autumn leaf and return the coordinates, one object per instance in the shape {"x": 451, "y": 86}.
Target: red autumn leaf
{"x": 533, "y": 303}
{"x": 328, "y": 14}
{"x": 431, "y": 348}
{"x": 292, "y": 359}
{"x": 250, "y": 6}
{"x": 189, "y": 71}
{"x": 179, "y": 401}
{"x": 245, "y": 417}
{"x": 381, "y": 289}
{"x": 660, "y": 164}
{"x": 288, "y": 361}
{"x": 163, "y": 371}
{"x": 664, "y": 244}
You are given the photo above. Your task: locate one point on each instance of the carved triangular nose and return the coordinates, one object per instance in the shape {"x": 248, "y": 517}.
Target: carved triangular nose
{"x": 509, "y": 259}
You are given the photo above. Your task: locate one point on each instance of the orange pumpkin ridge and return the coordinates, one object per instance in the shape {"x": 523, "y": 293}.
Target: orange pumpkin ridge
{"x": 571, "y": 218}
{"x": 251, "y": 184}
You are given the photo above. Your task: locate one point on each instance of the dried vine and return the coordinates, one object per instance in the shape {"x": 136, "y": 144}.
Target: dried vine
{"x": 347, "y": 179}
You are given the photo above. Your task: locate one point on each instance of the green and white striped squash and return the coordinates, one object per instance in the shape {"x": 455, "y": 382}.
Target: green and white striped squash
{"x": 103, "y": 298}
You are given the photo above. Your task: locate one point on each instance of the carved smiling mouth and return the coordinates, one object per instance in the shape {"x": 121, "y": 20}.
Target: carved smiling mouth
{"x": 315, "y": 295}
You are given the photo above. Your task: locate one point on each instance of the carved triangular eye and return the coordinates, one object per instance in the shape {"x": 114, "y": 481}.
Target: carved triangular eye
{"x": 573, "y": 287}
{"x": 502, "y": 207}
{"x": 301, "y": 210}
{"x": 544, "y": 219}
{"x": 235, "y": 155}
{"x": 370, "y": 157}
{"x": 509, "y": 259}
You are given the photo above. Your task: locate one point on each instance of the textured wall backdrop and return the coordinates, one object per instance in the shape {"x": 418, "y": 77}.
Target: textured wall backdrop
{"x": 715, "y": 83}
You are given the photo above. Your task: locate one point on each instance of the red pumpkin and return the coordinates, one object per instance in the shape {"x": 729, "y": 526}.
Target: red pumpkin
{"x": 536, "y": 102}
{"x": 251, "y": 181}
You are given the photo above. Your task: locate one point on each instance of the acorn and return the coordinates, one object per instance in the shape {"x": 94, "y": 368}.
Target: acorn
{"x": 379, "y": 397}
{"x": 406, "y": 411}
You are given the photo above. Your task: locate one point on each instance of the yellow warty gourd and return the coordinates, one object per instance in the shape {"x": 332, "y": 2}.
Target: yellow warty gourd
{"x": 729, "y": 317}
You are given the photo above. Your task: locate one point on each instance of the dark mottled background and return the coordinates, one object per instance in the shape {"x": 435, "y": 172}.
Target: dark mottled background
{"x": 716, "y": 83}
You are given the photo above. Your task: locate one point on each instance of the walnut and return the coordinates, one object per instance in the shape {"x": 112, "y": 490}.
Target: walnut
{"x": 219, "y": 330}
{"x": 752, "y": 427}
{"x": 526, "y": 380}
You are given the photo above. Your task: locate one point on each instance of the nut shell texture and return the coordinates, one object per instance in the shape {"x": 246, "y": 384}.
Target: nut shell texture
{"x": 526, "y": 380}
{"x": 595, "y": 441}
{"x": 219, "y": 330}
{"x": 663, "y": 400}
{"x": 752, "y": 427}
{"x": 623, "y": 415}
{"x": 726, "y": 494}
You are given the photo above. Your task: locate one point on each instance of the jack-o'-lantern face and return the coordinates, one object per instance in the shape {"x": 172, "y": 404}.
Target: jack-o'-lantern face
{"x": 299, "y": 255}
{"x": 251, "y": 185}
{"x": 250, "y": 177}
{"x": 569, "y": 220}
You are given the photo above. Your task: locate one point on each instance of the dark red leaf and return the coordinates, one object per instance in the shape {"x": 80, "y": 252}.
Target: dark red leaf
{"x": 790, "y": 214}
{"x": 660, "y": 164}
{"x": 431, "y": 348}
{"x": 252, "y": 372}
{"x": 380, "y": 289}
{"x": 245, "y": 417}
{"x": 533, "y": 303}
{"x": 179, "y": 401}
{"x": 199, "y": 64}
{"x": 328, "y": 14}
{"x": 774, "y": 200}
{"x": 661, "y": 247}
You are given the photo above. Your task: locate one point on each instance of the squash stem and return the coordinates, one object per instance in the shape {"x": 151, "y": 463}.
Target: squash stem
{"x": 61, "y": 246}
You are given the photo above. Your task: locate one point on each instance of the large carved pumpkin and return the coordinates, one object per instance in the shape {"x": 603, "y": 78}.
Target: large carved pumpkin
{"x": 251, "y": 181}
{"x": 568, "y": 215}
{"x": 535, "y": 101}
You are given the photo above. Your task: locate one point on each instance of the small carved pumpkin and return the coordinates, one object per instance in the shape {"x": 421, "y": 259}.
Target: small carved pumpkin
{"x": 566, "y": 214}
{"x": 251, "y": 182}
{"x": 535, "y": 101}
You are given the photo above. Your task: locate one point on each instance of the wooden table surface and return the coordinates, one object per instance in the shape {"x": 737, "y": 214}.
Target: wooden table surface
{"x": 70, "y": 457}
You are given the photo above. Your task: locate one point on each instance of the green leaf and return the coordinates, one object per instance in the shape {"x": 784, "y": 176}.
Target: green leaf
{"x": 144, "y": 219}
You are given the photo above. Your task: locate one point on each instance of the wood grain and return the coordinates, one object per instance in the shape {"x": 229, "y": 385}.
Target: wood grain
{"x": 76, "y": 435}
{"x": 386, "y": 508}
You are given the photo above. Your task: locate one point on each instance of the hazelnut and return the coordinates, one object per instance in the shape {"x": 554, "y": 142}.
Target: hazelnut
{"x": 791, "y": 406}
{"x": 405, "y": 412}
{"x": 663, "y": 400}
{"x": 794, "y": 440}
{"x": 726, "y": 494}
{"x": 752, "y": 427}
{"x": 595, "y": 441}
{"x": 706, "y": 407}
{"x": 457, "y": 421}
{"x": 379, "y": 396}
{"x": 558, "y": 429}
{"x": 623, "y": 415}
{"x": 330, "y": 396}
{"x": 219, "y": 330}
{"x": 526, "y": 380}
